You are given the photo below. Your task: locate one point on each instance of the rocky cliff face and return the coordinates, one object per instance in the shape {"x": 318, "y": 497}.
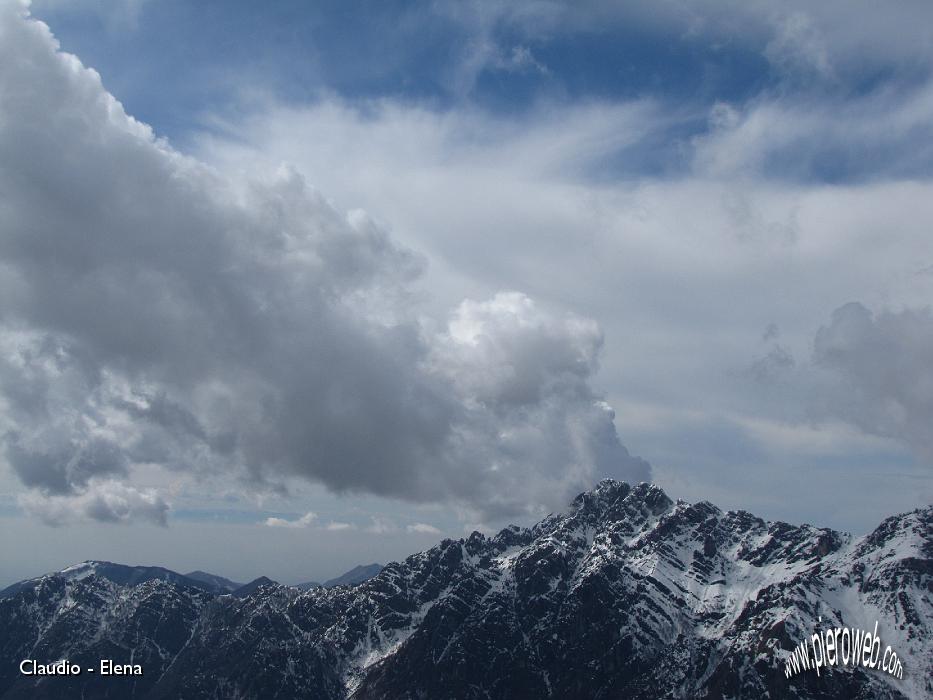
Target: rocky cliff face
{"x": 625, "y": 595}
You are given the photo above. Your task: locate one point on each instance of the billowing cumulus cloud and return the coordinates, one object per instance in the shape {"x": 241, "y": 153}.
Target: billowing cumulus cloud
{"x": 884, "y": 361}
{"x": 154, "y": 311}
{"x": 531, "y": 417}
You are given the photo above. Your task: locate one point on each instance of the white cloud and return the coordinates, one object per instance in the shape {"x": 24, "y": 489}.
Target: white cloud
{"x": 520, "y": 60}
{"x": 802, "y": 138}
{"x": 798, "y": 47}
{"x": 102, "y": 500}
{"x": 381, "y": 526}
{"x": 338, "y": 526}
{"x": 423, "y": 529}
{"x": 306, "y": 520}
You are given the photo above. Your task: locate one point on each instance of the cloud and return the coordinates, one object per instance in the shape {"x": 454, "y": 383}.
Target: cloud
{"x": 776, "y": 362}
{"x": 157, "y": 311}
{"x": 532, "y": 418}
{"x": 805, "y": 138}
{"x": 520, "y": 60}
{"x": 338, "y": 526}
{"x": 381, "y": 526}
{"x": 883, "y": 360}
{"x": 682, "y": 271}
{"x": 102, "y": 500}
{"x": 423, "y": 528}
{"x": 306, "y": 520}
{"x": 798, "y": 47}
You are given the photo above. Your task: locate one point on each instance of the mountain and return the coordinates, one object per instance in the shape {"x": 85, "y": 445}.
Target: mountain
{"x": 356, "y": 575}
{"x": 307, "y": 585}
{"x": 247, "y": 589}
{"x": 133, "y": 575}
{"x": 626, "y": 594}
{"x": 217, "y": 583}
{"x": 119, "y": 574}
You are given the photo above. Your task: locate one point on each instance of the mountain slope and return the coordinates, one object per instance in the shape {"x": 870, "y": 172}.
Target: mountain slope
{"x": 306, "y": 585}
{"x": 626, "y": 594}
{"x": 247, "y": 589}
{"x": 218, "y": 583}
{"x": 356, "y": 575}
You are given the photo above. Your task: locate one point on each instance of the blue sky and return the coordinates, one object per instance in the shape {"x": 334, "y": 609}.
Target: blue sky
{"x": 178, "y": 65}
{"x": 526, "y": 245}
{"x": 202, "y": 55}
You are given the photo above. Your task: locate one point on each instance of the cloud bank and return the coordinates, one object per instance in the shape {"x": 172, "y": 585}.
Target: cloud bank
{"x": 154, "y": 311}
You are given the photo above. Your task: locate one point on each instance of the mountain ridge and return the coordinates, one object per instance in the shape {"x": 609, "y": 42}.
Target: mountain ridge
{"x": 220, "y": 582}
{"x": 136, "y": 574}
{"x": 123, "y": 574}
{"x": 627, "y": 593}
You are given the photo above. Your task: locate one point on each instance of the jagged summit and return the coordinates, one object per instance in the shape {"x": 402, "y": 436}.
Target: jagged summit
{"x": 625, "y": 594}
{"x": 617, "y": 499}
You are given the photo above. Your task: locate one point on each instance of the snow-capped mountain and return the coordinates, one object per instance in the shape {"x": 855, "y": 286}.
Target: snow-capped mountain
{"x": 627, "y": 594}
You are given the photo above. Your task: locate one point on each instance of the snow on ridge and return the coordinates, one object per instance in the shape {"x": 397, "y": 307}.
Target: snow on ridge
{"x": 76, "y": 572}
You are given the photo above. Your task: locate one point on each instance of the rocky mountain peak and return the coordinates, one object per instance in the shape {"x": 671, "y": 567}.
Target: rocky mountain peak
{"x": 612, "y": 501}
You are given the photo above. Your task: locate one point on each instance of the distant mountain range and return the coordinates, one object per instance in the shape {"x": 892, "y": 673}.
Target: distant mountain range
{"x": 124, "y": 575}
{"x": 627, "y": 594}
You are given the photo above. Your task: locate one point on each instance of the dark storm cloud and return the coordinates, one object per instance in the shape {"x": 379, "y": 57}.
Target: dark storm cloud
{"x": 154, "y": 311}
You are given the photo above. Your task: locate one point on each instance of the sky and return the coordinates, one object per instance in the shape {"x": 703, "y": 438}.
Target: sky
{"x": 288, "y": 287}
